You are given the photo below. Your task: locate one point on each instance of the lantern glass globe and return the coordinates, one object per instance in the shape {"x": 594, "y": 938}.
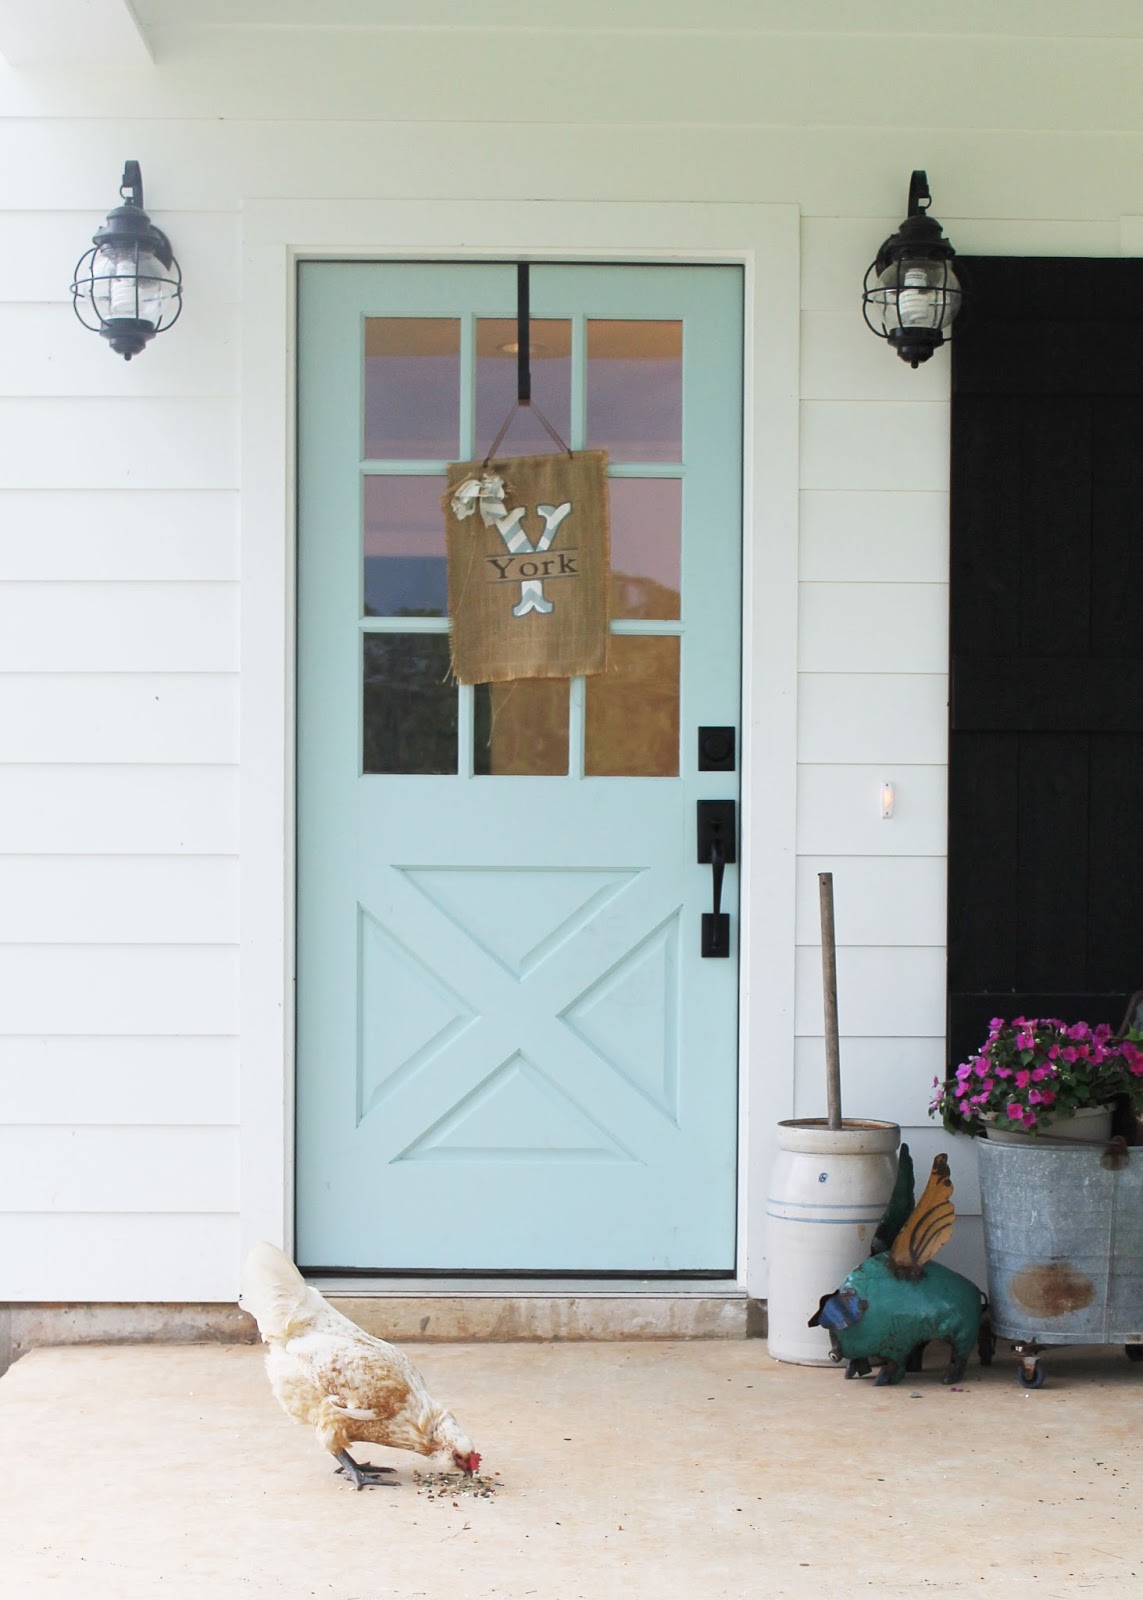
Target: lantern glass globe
{"x": 917, "y": 293}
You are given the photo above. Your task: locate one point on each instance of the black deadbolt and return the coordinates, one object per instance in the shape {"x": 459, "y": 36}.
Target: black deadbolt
{"x": 716, "y": 749}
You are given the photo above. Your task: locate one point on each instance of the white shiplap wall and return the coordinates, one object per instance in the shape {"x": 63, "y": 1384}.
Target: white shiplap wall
{"x": 119, "y": 518}
{"x": 872, "y": 695}
{"x": 119, "y": 792}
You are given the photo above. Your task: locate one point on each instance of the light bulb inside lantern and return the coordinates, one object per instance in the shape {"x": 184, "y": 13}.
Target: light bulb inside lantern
{"x": 113, "y": 283}
{"x": 914, "y": 301}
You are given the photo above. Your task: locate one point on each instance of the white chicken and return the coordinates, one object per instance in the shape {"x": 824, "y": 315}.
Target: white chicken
{"x": 350, "y": 1387}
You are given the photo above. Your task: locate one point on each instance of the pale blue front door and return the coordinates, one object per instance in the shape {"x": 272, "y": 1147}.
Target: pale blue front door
{"x": 511, "y": 1054}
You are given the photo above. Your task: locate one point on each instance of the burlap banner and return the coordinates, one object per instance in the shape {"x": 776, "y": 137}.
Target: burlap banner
{"x": 529, "y": 566}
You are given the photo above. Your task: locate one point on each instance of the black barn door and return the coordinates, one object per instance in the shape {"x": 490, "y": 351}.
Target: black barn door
{"x": 1046, "y": 636}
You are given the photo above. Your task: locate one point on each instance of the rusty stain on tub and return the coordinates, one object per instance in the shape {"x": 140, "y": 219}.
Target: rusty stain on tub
{"x": 1052, "y": 1290}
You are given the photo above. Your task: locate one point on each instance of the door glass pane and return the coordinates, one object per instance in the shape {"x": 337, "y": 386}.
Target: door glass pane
{"x": 632, "y": 728}
{"x": 405, "y": 574}
{"x": 646, "y": 546}
{"x": 635, "y": 390}
{"x": 496, "y": 385}
{"x": 522, "y": 728}
{"x": 412, "y": 388}
{"x": 409, "y": 704}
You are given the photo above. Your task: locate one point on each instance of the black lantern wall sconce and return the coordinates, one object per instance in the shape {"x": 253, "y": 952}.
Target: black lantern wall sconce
{"x": 128, "y": 287}
{"x": 912, "y": 295}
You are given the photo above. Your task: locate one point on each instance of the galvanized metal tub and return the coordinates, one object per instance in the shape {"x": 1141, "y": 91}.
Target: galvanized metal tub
{"x": 1063, "y": 1236}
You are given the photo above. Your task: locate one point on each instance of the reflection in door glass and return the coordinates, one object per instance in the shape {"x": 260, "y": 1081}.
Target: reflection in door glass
{"x": 409, "y": 704}
{"x": 412, "y": 388}
{"x": 635, "y": 390}
{"x": 522, "y": 728}
{"x": 646, "y": 546}
{"x": 632, "y": 726}
{"x": 496, "y": 349}
{"x": 404, "y": 544}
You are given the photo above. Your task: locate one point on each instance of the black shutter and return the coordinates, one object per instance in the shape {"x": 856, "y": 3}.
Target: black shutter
{"x": 1045, "y": 882}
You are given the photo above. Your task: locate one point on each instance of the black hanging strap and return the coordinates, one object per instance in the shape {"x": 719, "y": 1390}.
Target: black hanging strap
{"x": 523, "y": 336}
{"x": 524, "y": 366}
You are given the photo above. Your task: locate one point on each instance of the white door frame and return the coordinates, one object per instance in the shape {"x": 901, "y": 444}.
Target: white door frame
{"x": 764, "y": 239}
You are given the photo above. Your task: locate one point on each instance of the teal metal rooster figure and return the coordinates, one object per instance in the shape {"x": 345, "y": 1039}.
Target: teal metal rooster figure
{"x": 890, "y": 1306}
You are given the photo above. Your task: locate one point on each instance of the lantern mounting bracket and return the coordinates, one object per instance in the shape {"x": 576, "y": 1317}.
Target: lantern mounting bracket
{"x": 131, "y": 188}
{"x": 918, "y": 191}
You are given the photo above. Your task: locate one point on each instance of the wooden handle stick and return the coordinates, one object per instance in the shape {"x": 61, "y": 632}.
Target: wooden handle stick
{"x": 829, "y": 992}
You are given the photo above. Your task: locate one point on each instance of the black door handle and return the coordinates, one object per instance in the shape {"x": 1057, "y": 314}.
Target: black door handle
{"x": 716, "y": 845}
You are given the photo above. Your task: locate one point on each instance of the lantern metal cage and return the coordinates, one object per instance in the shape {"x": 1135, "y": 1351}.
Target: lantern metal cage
{"x": 128, "y": 286}
{"x": 911, "y": 295}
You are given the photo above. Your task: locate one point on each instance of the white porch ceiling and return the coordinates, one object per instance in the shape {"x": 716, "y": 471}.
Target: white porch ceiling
{"x": 1032, "y": 18}
{"x": 101, "y": 34}
{"x": 91, "y": 33}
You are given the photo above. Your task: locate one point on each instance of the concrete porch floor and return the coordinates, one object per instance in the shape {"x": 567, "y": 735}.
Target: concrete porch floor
{"x": 661, "y": 1469}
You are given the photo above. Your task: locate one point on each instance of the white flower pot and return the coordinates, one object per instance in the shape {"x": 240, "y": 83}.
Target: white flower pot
{"x": 828, "y": 1191}
{"x": 1089, "y": 1125}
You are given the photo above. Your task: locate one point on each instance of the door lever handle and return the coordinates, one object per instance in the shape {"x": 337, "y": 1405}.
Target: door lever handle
{"x": 716, "y": 845}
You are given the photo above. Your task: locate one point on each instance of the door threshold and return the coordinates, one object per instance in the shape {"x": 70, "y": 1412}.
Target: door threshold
{"x": 380, "y": 1284}
{"x": 468, "y": 1310}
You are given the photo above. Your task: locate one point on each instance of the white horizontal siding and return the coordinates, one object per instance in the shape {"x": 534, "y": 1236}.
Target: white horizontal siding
{"x": 851, "y": 444}
{"x": 723, "y": 71}
{"x": 209, "y": 164}
{"x": 117, "y": 989}
{"x": 118, "y": 900}
{"x": 118, "y": 1169}
{"x": 146, "y": 718}
{"x": 125, "y": 1081}
{"x": 878, "y": 900}
{"x": 890, "y": 1078}
{"x": 39, "y": 250}
{"x": 45, "y": 354}
{"x": 125, "y": 810}
{"x": 873, "y": 717}
{"x": 118, "y": 443}
{"x": 873, "y": 658}
{"x": 882, "y": 992}
{"x": 145, "y": 1256}
{"x": 129, "y": 535}
{"x": 839, "y": 810}
{"x": 873, "y": 627}
{"x": 869, "y": 536}
{"x": 118, "y": 627}
{"x": 842, "y": 360}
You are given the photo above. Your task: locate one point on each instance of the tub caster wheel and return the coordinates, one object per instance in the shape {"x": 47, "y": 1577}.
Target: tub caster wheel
{"x": 1134, "y": 1352}
{"x": 1030, "y": 1374}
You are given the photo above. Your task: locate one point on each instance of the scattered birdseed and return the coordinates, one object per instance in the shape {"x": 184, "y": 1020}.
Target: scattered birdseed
{"x": 446, "y": 1485}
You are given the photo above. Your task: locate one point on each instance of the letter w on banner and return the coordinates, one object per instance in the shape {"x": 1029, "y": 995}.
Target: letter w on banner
{"x": 529, "y": 566}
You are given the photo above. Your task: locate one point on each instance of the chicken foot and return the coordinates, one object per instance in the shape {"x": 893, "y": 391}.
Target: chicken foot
{"x": 363, "y": 1474}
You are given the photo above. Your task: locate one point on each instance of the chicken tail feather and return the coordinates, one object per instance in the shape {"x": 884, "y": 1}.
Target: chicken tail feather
{"x": 273, "y": 1290}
